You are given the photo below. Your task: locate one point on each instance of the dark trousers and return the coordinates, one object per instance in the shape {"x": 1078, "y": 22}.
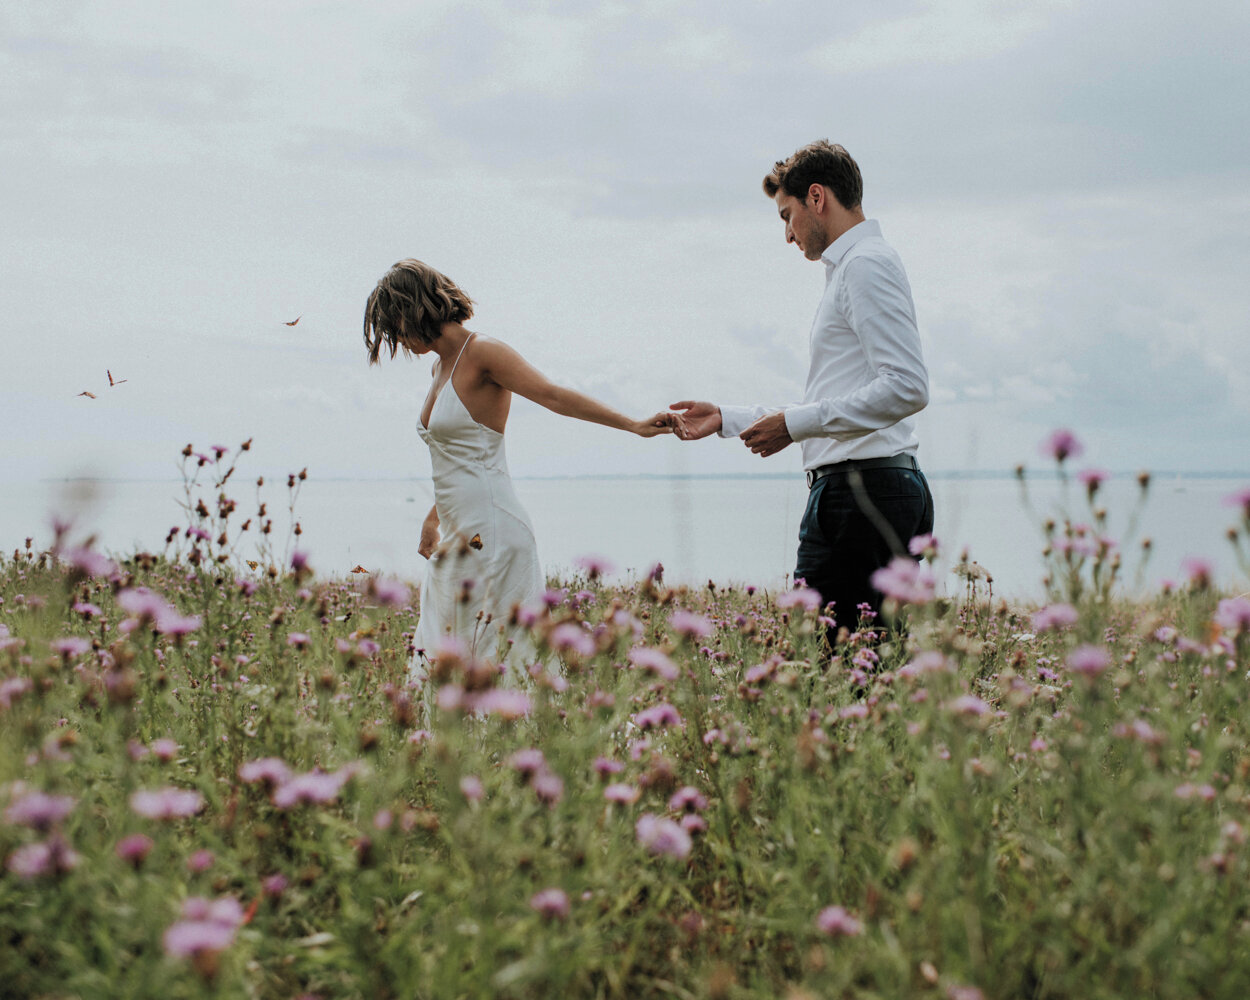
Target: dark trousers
{"x": 855, "y": 523}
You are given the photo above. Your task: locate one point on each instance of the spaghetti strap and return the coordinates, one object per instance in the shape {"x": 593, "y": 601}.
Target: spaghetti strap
{"x": 466, "y": 343}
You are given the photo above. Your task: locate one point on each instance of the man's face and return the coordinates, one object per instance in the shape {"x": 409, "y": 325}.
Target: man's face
{"x": 804, "y": 227}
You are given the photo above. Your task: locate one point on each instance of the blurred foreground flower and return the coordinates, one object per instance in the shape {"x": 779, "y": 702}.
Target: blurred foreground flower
{"x": 905, "y": 581}
{"x": 1062, "y": 444}
{"x": 167, "y": 803}
{"x": 550, "y": 903}
{"x": 835, "y": 921}
{"x": 662, "y": 836}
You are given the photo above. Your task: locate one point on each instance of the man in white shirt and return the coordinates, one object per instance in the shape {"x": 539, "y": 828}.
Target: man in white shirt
{"x": 867, "y": 378}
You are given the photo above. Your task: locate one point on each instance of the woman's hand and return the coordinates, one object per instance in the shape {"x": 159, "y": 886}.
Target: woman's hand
{"x": 660, "y": 423}
{"x": 429, "y": 535}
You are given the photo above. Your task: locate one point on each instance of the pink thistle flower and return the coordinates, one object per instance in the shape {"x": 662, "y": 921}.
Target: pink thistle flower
{"x": 552, "y": 904}
{"x": 571, "y": 638}
{"x": 1062, "y": 444}
{"x": 690, "y": 625}
{"x": 835, "y": 921}
{"x": 90, "y": 562}
{"x": 1141, "y": 731}
{"x": 1088, "y": 660}
{"x": 654, "y": 661}
{"x": 659, "y": 716}
{"x": 39, "y": 810}
{"x": 1092, "y": 479}
{"x": 605, "y": 766}
{"x": 622, "y": 793}
{"x": 924, "y": 546}
{"x": 201, "y": 860}
{"x": 693, "y": 823}
{"x": 687, "y": 799}
{"x": 471, "y": 788}
{"x": 958, "y": 992}
{"x": 801, "y": 597}
{"x": 1055, "y": 617}
{"x": 968, "y": 704}
{"x": 30, "y": 861}
{"x": 1239, "y": 499}
{"x": 1198, "y": 571}
{"x": 905, "y": 581}
{"x": 316, "y": 787}
{"x": 299, "y": 640}
{"x": 928, "y": 662}
{"x": 299, "y": 561}
{"x": 167, "y": 803}
{"x": 134, "y": 849}
{"x": 193, "y": 938}
{"x": 507, "y": 703}
{"x": 270, "y": 769}
{"x": 12, "y": 688}
{"x": 70, "y": 646}
{"x": 528, "y": 762}
{"x": 274, "y": 885}
{"x": 1233, "y": 615}
{"x": 86, "y": 609}
{"x": 548, "y": 787}
{"x": 391, "y": 593}
{"x": 595, "y": 566}
{"x": 662, "y": 836}
{"x": 141, "y": 603}
{"x": 165, "y": 749}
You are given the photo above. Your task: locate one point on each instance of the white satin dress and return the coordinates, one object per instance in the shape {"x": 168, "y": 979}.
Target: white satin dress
{"x": 487, "y": 562}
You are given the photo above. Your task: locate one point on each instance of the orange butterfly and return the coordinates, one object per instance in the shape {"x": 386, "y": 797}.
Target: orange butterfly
{"x": 359, "y": 569}
{"x": 85, "y": 393}
{"x": 475, "y": 542}
{"x": 296, "y": 320}
{"x": 112, "y": 381}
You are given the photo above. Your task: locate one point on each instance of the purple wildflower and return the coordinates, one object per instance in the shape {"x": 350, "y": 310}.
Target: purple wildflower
{"x": 905, "y": 581}
{"x": 1088, "y": 660}
{"x": 924, "y": 546}
{"x": 1062, "y": 444}
{"x": 299, "y": 640}
{"x": 1054, "y": 617}
{"x": 1240, "y": 499}
{"x": 688, "y": 799}
{"x": 662, "y": 836}
{"x": 90, "y": 562}
{"x": 595, "y": 566}
{"x": 928, "y": 662}
{"x": 270, "y": 769}
{"x": 553, "y": 904}
{"x": 201, "y": 860}
{"x": 605, "y": 766}
{"x": 1233, "y": 614}
{"x": 659, "y": 716}
{"x": 548, "y": 787}
{"x": 70, "y": 646}
{"x": 391, "y": 593}
{"x": 165, "y": 749}
{"x": 134, "y": 848}
{"x": 507, "y": 703}
{"x": 801, "y": 597}
{"x": 571, "y": 638}
{"x": 52, "y": 856}
{"x": 1198, "y": 571}
{"x": 528, "y": 761}
{"x": 316, "y": 787}
{"x": 621, "y": 793}
{"x": 87, "y": 609}
{"x": 690, "y": 625}
{"x": 12, "y": 688}
{"x": 835, "y": 921}
{"x": 654, "y": 661}
{"x": 39, "y": 810}
{"x": 471, "y": 788}
{"x": 167, "y": 803}
{"x": 968, "y": 704}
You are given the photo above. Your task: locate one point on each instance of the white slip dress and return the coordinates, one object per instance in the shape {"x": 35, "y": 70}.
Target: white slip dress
{"x": 487, "y": 559}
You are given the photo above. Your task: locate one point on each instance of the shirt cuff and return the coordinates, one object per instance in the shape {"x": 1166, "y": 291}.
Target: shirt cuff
{"x": 734, "y": 420}
{"x": 803, "y": 422}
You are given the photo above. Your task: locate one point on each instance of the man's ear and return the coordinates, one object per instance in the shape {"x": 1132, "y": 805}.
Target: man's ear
{"x": 817, "y": 196}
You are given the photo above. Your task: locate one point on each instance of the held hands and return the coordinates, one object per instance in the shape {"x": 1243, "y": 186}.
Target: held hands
{"x": 660, "y": 423}
{"x": 695, "y": 419}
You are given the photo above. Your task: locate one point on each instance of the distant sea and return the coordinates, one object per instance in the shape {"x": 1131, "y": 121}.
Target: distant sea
{"x": 732, "y": 529}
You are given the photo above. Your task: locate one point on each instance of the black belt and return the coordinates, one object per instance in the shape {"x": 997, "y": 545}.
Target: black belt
{"x": 857, "y": 464}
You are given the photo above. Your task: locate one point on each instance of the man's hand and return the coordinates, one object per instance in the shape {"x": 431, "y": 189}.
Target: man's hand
{"x": 768, "y": 435}
{"x": 696, "y": 419}
{"x": 429, "y": 538}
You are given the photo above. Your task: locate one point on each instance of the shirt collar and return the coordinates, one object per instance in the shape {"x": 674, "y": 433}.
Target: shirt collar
{"x": 837, "y": 249}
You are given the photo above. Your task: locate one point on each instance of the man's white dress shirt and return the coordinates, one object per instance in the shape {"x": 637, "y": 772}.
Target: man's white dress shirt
{"x": 867, "y": 376}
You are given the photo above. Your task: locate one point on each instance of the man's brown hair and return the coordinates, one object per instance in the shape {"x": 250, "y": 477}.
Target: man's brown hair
{"x": 412, "y": 302}
{"x": 819, "y": 162}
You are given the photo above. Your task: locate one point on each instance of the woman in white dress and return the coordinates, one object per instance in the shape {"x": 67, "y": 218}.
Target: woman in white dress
{"x": 483, "y": 561}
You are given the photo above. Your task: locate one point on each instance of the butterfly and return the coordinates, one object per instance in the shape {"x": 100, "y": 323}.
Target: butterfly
{"x": 112, "y": 381}
{"x": 475, "y": 542}
{"x": 359, "y": 569}
{"x": 296, "y": 320}
{"x": 89, "y": 394}
{"x": 252, "y": 563}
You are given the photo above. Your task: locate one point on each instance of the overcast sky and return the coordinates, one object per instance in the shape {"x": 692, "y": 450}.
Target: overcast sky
{"x": 1068, "y": 184}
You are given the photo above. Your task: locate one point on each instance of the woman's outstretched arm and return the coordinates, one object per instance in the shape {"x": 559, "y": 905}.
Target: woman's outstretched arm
{"x": 429, "y": 534}
{"x": 505, "y": 367}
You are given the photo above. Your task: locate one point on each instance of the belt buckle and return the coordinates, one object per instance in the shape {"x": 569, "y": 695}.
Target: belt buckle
{"x": 811, "y": 478}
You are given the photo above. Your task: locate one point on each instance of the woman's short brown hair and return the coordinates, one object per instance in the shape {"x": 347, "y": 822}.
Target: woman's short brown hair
{"x": 819, "y": 162}
{"x": 412, "y": 302}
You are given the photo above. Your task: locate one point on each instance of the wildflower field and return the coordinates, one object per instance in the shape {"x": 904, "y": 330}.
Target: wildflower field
{"x": 216, "y": 780}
